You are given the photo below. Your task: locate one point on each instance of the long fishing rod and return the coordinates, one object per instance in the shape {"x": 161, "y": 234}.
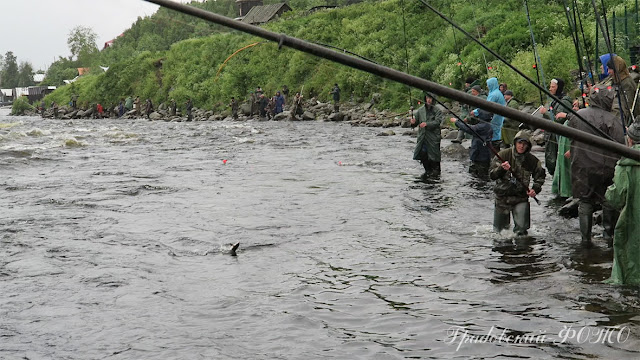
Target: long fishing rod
{"x": 593, "y": 127}
{"x": 535, "y": 51}
{"x": 341, "y": 49}
{"x": 487, "y": 143}
{"x": 584, "y": 41}
{"x": 576, "y": 44}
{"x": 406, "y": 51}
{"x": 400, "y": 77}
{"x": 607, "y": 41}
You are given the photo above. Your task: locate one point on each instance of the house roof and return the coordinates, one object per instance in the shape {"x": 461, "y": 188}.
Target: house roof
{"x": 262, "y": 14}
{"x": 38, "y": 77}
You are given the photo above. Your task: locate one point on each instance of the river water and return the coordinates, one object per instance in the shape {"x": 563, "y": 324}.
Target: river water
{"x": 115, "y": 236}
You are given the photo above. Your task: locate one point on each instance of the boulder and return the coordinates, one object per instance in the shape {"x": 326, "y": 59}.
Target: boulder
{"x": 245, "y": 109}
{"x": 386, "y": 133}
{"x": 449, "y": 134}
{"x": 308, "y": 115}
{"x": 455, "y": 151}
{"x": 336, "y": 116}
{"x": 155, "y": 116}
{"x": 282, "y": 116}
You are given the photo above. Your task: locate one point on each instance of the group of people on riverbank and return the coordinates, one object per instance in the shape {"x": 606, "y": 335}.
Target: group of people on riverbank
{"x": 268, "y": 108}
{"x": 598, "y": 178}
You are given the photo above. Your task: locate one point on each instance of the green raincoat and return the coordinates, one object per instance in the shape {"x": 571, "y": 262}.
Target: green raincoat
{"x": 561, "y": 184}
{"x": 551, "y": 146}
{"x": 510, "y": 126}
{"x": 625, "y": 194}
{"x": 429, "y": 136}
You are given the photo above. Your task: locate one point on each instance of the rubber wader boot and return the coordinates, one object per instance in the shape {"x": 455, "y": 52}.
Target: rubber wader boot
{"x": 521, "y": 218}
{"x": 458, "y": 138}
{"x": 500, "y": 218}
{"x": 609, "y": 220}
{"x": 585, "y": 217}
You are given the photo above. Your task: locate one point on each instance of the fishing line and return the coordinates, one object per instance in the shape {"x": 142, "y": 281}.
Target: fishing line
{"x": 398, "y": 76}
{"x": 605, "y": 34}
{"x": 406, "y": 52}
{"x": 444, "y": 17}
{"x": 574, "y": 37}
{"x": 584, "y": 40}
{"x": 475, "y": 20}
{"x": 535, "y": 52}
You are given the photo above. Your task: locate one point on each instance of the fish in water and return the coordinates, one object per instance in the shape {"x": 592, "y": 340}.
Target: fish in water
{"x": 234, "y": 248}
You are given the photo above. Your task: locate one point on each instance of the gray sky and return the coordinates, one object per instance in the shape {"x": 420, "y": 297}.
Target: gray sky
{"x": 37, "y": 30}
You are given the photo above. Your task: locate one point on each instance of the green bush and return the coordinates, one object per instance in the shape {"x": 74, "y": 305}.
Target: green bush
{"x": 20, "y": 105}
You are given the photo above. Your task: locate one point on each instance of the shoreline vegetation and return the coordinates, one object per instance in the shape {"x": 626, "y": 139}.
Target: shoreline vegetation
{"x": 207, "y": 66}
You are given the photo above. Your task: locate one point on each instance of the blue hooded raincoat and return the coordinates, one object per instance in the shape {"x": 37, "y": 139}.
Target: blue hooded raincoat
{"x": 496, "y": 96}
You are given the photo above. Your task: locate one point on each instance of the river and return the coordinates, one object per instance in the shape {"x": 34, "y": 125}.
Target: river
{"x": 115, "y": 237}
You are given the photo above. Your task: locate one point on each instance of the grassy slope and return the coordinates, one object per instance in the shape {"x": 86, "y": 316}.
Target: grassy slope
{"x": 371, "y": 29}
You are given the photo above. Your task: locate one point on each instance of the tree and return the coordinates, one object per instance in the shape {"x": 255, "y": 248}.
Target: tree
{"x": 25, "y": 74}
{"x": 60, "y": 70}
{"x": 82, "y": 42}
{"x": 10, "y": 71}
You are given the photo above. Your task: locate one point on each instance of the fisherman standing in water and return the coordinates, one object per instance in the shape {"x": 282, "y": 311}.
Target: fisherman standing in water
{"x": 512, "y": 169}
{"x": 592, "y": 167}
{"x": 428, "y": 118}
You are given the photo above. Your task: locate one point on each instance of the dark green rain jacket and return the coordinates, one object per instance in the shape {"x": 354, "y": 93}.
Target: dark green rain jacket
{"x": 624, "y": 194}
{"x": 429, "y": 136}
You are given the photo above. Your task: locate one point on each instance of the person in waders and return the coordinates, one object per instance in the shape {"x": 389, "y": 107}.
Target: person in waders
{"x": 428, "y": 119}
{"x": 624, "y": 195}
{"x": 556, "y": 87}
{"x": 512, "y": 177}
{"x": 591, "y": 166}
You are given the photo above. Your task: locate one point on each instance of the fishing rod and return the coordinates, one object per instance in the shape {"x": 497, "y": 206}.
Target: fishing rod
{"x": 576, "y": 44}
{"x": 406, "y": 51}
{"x": 338, "y": 48}
{"x": 535, "y": 51}
{"x": 400, "y": 77}
{"x": 584, "y": 40}
{"x": 489, "y": 145}
{"x": 607, "y": 41}
{"x": 590, "y": 125}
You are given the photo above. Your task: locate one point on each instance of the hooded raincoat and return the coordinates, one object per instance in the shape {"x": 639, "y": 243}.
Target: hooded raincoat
{"x": 561, "y": 184}
{"x": 508, "y": 190}
{"x": 591, "y": 166}
{"x": 510, "y": 127}
{"x": 624, "y": 194}
{"x": 551, "y": 140}
{"x": 627, "y": 87}
{"x": 496, "y": 96}
{"x": 605, "y": 69}
{"x": 429, "y": 137}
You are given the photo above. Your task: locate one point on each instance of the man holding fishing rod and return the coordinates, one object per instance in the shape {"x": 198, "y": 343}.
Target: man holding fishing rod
{"x": 512, "y": 169}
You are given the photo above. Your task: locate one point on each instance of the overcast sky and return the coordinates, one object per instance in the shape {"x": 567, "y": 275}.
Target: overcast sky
{"x": 37, "y": 30}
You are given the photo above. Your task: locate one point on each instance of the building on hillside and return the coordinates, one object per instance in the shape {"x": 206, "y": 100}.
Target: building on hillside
{"x": 38, "y": 78}
{"x": 36, "y": 93}
{"x": 110, "y": 42}
{"x": 263, "y": 14}
{"x": 245, "y": 5}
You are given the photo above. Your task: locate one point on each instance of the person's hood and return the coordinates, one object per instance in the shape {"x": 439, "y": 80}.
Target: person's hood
{"x": 625, "y": 161}
{"x": 522, "y": 135}
{"x": 560, "y": 91}
{"x": 604, "y": 59}
{"x": 621, "y": 68}
{"x": 492, "y": 84}
{"x": 602, "y": 97}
